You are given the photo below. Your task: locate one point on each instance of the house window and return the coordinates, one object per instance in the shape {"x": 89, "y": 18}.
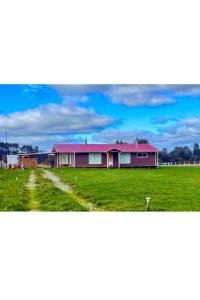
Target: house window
{"x": 142, "y": 155}
{"x": 125, "y": 158}
{"x": 94, "y": 158}
{"x": 64, "y": 159}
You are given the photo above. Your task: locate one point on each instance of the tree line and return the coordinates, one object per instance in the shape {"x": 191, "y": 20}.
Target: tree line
{"x": 181, "y": 155}
{"x": 136, "y": 141}
{"x": 14, "y": 148}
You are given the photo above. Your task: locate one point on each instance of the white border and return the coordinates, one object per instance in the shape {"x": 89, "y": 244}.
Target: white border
{"x": 99, "y": 256}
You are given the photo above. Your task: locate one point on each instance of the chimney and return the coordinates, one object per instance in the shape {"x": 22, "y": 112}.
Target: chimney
{"x": 86, "y": 141}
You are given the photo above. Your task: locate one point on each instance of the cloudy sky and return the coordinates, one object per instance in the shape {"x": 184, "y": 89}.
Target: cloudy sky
{"x": 168, "y": 115}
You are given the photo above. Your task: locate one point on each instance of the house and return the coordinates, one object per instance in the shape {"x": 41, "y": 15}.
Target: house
{"x": 105, "y": 155}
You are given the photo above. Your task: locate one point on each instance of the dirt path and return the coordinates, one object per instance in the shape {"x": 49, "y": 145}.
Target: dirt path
{"x": 31, "y": 182}
{"x": 31, "y": 185}
{"x": 67, "y": 189}
{"x": 57, "y": 183}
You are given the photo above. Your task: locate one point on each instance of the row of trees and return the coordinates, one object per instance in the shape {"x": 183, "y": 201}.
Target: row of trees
{"x": 136, "y": 141}
{"x": 180, "y": 154}
{"x": 13, "y": 148}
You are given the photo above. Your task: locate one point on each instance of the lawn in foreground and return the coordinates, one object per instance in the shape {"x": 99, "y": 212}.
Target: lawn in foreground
{"x": 49, "y": 198}
{"x": 14, "y": 195}
{"x": 170, "y": 188}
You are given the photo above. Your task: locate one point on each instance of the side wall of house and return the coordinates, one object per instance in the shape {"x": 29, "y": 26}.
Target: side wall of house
{"x": 150, "y": 161}
{"x": 144, "y": 162}
{"x": 82, "y": 160}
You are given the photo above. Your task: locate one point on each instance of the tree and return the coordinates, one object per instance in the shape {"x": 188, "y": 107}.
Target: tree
{"x": 120, "y": 142}
{"x": 29, "y": 149}
{"x": 196, "y": 152}
{"x": 14, "y": 148}
{"x": 36, "y": 149}
{"x": 187, "y": 155}
{"x": 164, "y": 156}
{"x": 141, "y": 141}
{"x": 176, "y": 154}
{"x": 181, "y": 154}
{"x": 8, "y": 148}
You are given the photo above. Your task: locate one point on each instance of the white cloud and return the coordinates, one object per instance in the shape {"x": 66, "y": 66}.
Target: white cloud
{"x": 129, "y": 95}
{"x": 133, "y": 95}
{"x": 54, "y": 119}
{"x": 191, "y": 122}
{"x": 140, "y": 95}
{"x": 141, "y": 101}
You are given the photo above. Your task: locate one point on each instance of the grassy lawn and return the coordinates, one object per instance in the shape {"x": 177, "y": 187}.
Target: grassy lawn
{"x": 170, "y": 189}
{"x": 14, "y": 195}
{"x": 50, "y": 198}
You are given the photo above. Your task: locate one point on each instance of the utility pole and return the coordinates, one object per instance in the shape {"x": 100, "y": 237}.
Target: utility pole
{"x": 6, "y": 137}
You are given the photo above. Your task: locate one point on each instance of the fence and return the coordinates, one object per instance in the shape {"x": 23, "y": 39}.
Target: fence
{"x": 185, "y": 164}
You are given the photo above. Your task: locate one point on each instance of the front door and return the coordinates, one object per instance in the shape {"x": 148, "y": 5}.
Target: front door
{"x": 110, "y": 159}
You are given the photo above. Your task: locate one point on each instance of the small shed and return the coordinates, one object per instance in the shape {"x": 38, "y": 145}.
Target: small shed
{"x": 28, "y": 162}
{"x": 12, "y": 161}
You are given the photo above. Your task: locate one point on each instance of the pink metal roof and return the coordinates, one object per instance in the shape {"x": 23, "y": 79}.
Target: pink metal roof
{"x": 69, "y": 148}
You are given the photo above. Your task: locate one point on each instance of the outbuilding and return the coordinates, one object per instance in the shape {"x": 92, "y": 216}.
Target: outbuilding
{"x": 12, "y": 161}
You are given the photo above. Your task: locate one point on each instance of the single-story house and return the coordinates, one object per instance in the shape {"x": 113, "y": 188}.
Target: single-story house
{"x": 105, "y": 155}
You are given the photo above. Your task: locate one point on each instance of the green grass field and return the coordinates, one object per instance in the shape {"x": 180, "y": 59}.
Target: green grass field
{"x": 14, "y": 195}
{"x": 170, "y": 189}
{"x": 50, "y": 198}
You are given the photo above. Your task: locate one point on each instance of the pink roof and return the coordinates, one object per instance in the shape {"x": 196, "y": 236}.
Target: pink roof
{"x": 69, "y": 148}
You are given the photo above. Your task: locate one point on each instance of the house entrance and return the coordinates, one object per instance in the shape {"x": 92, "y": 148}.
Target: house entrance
{"x": 110, "y": 159}
{"x": 113, "y": 159}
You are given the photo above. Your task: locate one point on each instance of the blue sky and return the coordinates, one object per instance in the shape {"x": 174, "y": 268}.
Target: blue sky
{"x": 168, "y": 115}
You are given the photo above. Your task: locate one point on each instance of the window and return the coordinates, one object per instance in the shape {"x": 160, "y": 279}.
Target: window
{"x": 125, "y": 158}
{"x": 142, "y": 155}
{"x": 94, "y": 158}
{"x": 64, "y": 159}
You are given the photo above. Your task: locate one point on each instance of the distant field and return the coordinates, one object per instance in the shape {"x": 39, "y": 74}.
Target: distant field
{"x": 170, "y": 189}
